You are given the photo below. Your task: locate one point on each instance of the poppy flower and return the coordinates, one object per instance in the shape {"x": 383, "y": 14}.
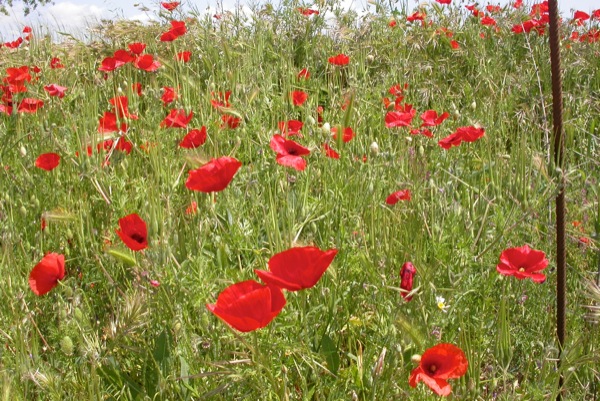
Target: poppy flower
{"x": 121, "y": 105}
{"x": 55, "y": 63}
{"x": 29, "y": 105}
{"x": 399, "y": 118}
{"x": 170, "y": 6}
{"x": 192, "y": 208}
{"x": 398, "y": 196}
{"x": 146, "y": 62}
{"x": 137, "y": 48}
{"x": 55, "y": 90}
{"x": 133, "y": 232}
{"x": 169, "y": 95}
{"x": 298, "y": 97}
{"x": 183, "y": 56}
{"x": 14, "y": 44}
{"x": 220, "y": 100}
{"x": 466, "y": 134}
{"x": 194, "y": 138}
{"x": 229, "y": 121}
{"x": 487, "y": 20}
{"x": 341, "y": 60}
{"x": 47, "y": 161}
{"x": 347, "y": 134}
{"x": 431, "y": 119}
{"x": 214, "y": 176}
{"x": 416, "y": 16}
{"x": 303, "y": 74}
{"x": 177, "y": 119}
{"x": 289, "y": 152}
{"x": 45, "y": 275}
{"x": 307, "y": 12}
{"x": 248, "y": 305}
{"x": 454, "y": 44}
{"x": 438, "y": 364}
{"x": 329, "y": 152}
{"x": 123, "y": 57}
{"x": 407, "y": 274}
{"x": 291, "y": 127}
{"x": 137, "y": 88}
{"x": 444, "y": 1}
{"x": 178, "y": 29}
{"x": 108, "y": 124}
{"x": 523, "y": 262}
{"x": 297, "y": 268}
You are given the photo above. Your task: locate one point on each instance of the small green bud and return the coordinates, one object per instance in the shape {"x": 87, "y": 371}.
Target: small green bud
{"x": 66, "y": 345}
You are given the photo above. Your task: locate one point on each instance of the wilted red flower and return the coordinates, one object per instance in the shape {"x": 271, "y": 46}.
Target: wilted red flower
{"x": 523, "y": 262}
{"x": 341, "y": 59}
{"x": 146, "y": 63}
{"x": 307, "y": 11}
{"x": 177, "y": 119}
{"x": 303, "y": 74}
{"x": 194, "y": 138}
{"x": 55, "y": 90}
{"x": 298, "y": 97}
{"x": 133, "y": 232}
{"x": 214, "y": 176}
{"x": 291, "y": 127}
{"x": 230, "y": 121}
{"x": 45, "y": 275}
{"x": 55, "y": 63}
{"x": 29, "y": 105}
{"x": 398, "y": 196}
{"x": 108, "y": 124}
{"x": 347, "y": 135}
{"x": 407, "y": 274}
{"x": 121, "y": 105}
{"x": 297, "y": 268}
{"x": 170, "y": 6}
{"x": 183, "y": 56}
{"x": 47, "y": 161}
{"x": 466, "y": 134}
{"x": 169, "y": 95}
{"x": 289, "y": 152}
{"x": 431, "y": 119}
{"x": 438, "y": 364}
{"x": 329, "y": 152}
{"x": 137, "y": 48}
{"x": 248, "y": 305}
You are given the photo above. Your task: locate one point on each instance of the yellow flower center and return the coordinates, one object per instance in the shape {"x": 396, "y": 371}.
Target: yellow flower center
{"x": 521, "y": 269}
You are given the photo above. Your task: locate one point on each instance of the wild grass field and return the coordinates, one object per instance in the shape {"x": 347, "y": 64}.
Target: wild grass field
{"x": 388, "y": 174}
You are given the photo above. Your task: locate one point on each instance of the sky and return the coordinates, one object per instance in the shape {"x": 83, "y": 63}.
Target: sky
{"x": 75, "y": 16}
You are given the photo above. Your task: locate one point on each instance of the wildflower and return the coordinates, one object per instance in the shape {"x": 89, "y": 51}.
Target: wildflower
{"x": 213, "y": 176}
{"x": 407, "y": 274}
{"x": 177, "y": 119}
{"x": 194, "y": 138}
{"x": 55, "y": 90}
{"x": 329, "y": 152}
{"x": 47, "y": 161}
{"x": 183, "y": 56}
{"x": 303, "y": 74}
{"x": 230, "y": 121}
{"x": 298, "y": 97}
{"x": 441, "y": 303}
{"x": 340, "y": 60}
{"x": 290, "y": 128}
{"x": 108, "y": 124}
{"x": 55, "y": 63}
{"x": 248, "y": 305}
{"x": 45, "y": 275}
{"x": 146, "y": 62}
{"x": 170, "y": 6}
{"x": 121, "y": 105}
{"x": 289, "y": 152}
{"x": 431, "y": 119}
{"x": 347, "y": 134}
{"x": 307, "y": 12}
{"x": 466, "y": 134}
{"x": 438, "y": 364}
{"x": 169, "y": 95}
{"x": 137, "y": 48}
{"x": 523, "y": 262}
{"x": 297, "y": 268}
{"x": 29, "y": 105}
{"x": 399, "y": 118}
{"x": 133, "y": 232}
{"x": 398, "y": 196}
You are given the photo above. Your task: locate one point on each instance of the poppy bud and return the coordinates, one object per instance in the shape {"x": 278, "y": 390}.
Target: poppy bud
{"x": 23, "y": 210}
{"x": 374, "y": 149}
{"x": 78, "y": 314}
{"x": 66, "y": 345}
{"x": 370, "y": 58}
{"x": 421, "y": 150}
{"x": 310, "y": 120}
{"x": 23, "y": 151}
{"x": 474, "y": 105}
{"x": 416, "y": 358}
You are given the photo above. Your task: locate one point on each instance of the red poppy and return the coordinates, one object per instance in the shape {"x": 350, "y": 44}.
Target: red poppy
{"x": 298, "y": 97}
{"x": 14, "y": 44}
{"x": 169, "y": 95}
{"x": 416, "y": 16}
{"x": 183, "y": 56}
{"x": 289, "y": 152}
{"x": 341, "y": 59}
{"x": 444, "y": 1}
{"x": 55, "y": 90}
{"x": 347, "y": 135}
{"x": 55, "y": 63}
{"x": 137, "y": 88}
{"x": 423, "y": 131}
{"x": 431, "y": 119}
{"x": 291, "y": 127}
{"x": 137, "y": 48}
{"x": 47, "y": 161}
{"x": 297, "y": 268}
{"x": 399, "y": 118}
{"x": 303, "y": 74}
{"x": 170, "y": 6}
{"x": 177, "y": 119}
{"x": 407, "y": 274}
{"x": 133, "y": 232}
{"x": 248, "y": 305}
{"x": 214, "y": 176}
{"x": 229, "y": 121}
{"x": 29, "y": 105}
{"x": 438, "y": 364}
{"x": 178, "y": 29}
{"x": 332, "y": 154}
{"x": 580, "y": 16}
{"x": 146, "y": 63}
{"x": 192, "y": 208}
{"x": 518, "y": 3}
{"x": 109, "y": 64}
{"x": 595, "y": 13}
{"x": 454, "y": 44}
{"x": 220, "y": 100}
{"x": 307, "y": 11}
{"x": 194, "y": 138}
{"x": 108, "y": 124}
{"x": 123, "y": 57}
{"x": 27, "y": 29}
{"x": 121, "y": 105}
{"x": 487, "y": 20}
{"x": 466, "y": 134}
{"x": 523, "y": 262}
{"x": 398, "y": 196}
{"x": 45, "y": 275}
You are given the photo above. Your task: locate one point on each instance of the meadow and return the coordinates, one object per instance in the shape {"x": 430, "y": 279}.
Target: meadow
{"x": 296, "y": 202}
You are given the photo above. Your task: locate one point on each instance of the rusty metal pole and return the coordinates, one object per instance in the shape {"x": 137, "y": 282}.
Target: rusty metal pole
{"x": 559, "y": 147}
